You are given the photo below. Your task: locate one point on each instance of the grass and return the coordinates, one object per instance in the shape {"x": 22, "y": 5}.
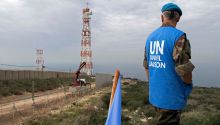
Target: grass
{"x": 90, "y": 112}
{"x": 18, "y": 87}
{"x": 203, "y": 109}
{"x": 200, "y": 117}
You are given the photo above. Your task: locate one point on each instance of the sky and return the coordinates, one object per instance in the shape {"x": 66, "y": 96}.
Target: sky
{"x": 119, "y": 31}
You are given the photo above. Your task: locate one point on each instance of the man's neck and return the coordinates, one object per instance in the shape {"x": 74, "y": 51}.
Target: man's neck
{"x": 168, "y": 24}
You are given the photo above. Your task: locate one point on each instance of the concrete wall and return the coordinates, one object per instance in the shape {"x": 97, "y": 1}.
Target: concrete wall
{"x": 17, "y": 75}
{"x": 103, "y": 80}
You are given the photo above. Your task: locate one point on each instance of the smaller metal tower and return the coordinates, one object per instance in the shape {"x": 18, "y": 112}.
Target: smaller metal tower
{"x": 86, "y": 52}
{"x": 40, "y": 60}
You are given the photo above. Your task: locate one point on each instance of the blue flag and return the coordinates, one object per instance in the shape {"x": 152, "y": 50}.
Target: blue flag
{"x": 114, "y": 113}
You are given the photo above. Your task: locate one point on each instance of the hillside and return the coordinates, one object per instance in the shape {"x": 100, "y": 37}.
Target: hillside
{"x": 203, "y": 108}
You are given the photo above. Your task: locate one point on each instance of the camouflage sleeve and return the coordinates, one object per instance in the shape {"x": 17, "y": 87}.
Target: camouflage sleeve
{"x": 182, "y": 56}
{"x": 145, "y": 60}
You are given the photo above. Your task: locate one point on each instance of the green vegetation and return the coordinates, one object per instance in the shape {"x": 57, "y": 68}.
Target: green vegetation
{"x": 203, "y": 109}
{"x": 18, "y": 87}
{"x": 90, "y": 112}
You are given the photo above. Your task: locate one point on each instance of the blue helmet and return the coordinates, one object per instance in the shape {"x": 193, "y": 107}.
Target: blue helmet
{"x": 171, "y": 7}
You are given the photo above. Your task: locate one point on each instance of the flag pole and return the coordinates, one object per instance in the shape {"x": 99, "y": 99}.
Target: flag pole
{"x": 115, "y": 81}
{"x": 114, "y": 113}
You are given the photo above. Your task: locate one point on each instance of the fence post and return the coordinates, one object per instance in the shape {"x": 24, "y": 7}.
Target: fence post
{"x": 1, "y": 107}
{"x": 5, "y": 75}
{"x": 47, "y": 97}
{"x": 33, "y": 104}
{"x": 64, "y": 90}
{"x": 14, "y": 111}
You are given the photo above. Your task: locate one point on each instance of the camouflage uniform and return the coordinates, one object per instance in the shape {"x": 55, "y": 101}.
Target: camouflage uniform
{"x": 168, "y": 117}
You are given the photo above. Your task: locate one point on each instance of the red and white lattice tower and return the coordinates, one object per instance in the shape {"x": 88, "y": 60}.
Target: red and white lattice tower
{"x": 86, "y": 52}
{"x": 40, "y": 59}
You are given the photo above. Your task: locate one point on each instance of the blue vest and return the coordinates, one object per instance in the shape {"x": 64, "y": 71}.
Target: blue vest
{"x": 166, "y": 89}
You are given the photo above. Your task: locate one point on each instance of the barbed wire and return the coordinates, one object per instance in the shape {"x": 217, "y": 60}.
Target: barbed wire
{"x": 30, "y": 66}
{"x": 10, "y": 65}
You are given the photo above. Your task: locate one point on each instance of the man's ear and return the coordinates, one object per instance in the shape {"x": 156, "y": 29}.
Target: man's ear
{"x": 178, "y": 19}
{"x": 162, "y": 19}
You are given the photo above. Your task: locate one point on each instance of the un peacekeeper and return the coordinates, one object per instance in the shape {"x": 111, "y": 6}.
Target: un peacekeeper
{"x": 168, "y": 67}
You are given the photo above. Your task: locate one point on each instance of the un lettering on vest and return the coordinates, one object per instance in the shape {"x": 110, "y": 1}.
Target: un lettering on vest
{"x": 156, "y": 51}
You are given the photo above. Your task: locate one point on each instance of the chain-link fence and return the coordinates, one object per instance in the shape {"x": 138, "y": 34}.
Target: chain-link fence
{"x": 17, "y": 110}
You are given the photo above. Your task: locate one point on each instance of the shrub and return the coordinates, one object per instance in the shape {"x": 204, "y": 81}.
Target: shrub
{"x": 106, "y": 100}
{"x": 18, "y": 87}
{"x": 200, "y": 118}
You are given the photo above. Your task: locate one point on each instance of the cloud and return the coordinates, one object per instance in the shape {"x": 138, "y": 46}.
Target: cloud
{"x": 119, "y": 29}
{"x": 51, "y": 25}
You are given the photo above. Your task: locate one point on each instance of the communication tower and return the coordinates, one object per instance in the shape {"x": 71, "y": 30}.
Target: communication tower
{"x": 86, "y": 52}
{"x": 40, "y": 60}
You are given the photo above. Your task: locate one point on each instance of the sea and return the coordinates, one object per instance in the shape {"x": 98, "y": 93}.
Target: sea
{"x": 204, "y": 74}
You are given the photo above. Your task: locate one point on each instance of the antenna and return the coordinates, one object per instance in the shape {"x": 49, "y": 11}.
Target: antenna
{"x": 87, "y": 4}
